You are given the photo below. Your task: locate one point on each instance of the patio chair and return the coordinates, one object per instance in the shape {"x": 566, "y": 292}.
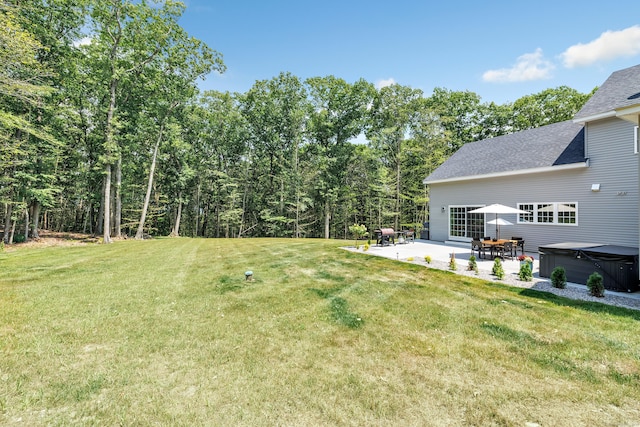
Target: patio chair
{"x": 477, "y": 246}
{"x": 506, "y": 250}
{"x": 410, "y": 234}
{"x": 520, "y": 245}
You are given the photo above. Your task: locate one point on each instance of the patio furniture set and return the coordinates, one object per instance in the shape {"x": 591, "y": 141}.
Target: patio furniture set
{"x": 502, "y": 248}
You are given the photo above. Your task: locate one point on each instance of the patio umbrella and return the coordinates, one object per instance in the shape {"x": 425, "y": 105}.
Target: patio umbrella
{"x": 498, "y": 222}
{"x": 497, "y": 209}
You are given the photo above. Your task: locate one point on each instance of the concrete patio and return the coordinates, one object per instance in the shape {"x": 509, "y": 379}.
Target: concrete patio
{"x": 441, "y": 251}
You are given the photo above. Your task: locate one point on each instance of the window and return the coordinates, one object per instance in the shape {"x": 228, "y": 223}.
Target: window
{"x": 549, "y": 213}
{"x": 566, "y": 213}
{"x": 464, "y": 225}
{"x": 544, "y": 213}
{"x": 527, "y": 217}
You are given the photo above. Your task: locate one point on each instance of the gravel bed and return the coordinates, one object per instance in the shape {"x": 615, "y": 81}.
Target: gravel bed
{"x": 573, "y": 291}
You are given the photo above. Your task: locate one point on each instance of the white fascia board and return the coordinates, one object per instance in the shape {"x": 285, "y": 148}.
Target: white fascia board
{"x": 627, "y": 113}
{"x": 599, "y": 116}
{"x": 545, "y": 169}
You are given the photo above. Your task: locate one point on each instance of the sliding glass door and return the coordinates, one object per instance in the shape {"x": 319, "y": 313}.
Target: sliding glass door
{"x": 464, "y": 225}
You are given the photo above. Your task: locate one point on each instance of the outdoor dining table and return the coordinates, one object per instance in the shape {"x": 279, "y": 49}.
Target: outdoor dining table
{"x": 495, "y": 244}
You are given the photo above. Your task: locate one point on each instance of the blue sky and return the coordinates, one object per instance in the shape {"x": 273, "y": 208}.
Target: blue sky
{"x": 501, "y": 50}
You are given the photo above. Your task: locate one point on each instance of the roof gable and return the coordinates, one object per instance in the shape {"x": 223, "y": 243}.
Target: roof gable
{"x": 552, "y": 145}
{"x": 620, "y": 91}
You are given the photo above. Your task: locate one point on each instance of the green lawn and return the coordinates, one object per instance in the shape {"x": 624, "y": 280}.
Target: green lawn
{"x": 168, "y": 332}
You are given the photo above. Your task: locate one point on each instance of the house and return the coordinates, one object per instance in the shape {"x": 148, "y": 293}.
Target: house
{"x": 577, "y": 179}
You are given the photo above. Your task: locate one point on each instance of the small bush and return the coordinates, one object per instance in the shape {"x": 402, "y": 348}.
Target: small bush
{"x": 452, "y": 262}
{"x": 427, "y": 259}
{"x": 525, "y": 273}
{"x": 595, "y": 283}
{"x": 497, "y": 269}
{"x": 19, "y": 238}
{"x": 358, "y": 231}
{"x": 559, "y": 278}
{"x": 473, "y": 265}
{"x": 410, "y": 258}
{"x": 366, "y": 247}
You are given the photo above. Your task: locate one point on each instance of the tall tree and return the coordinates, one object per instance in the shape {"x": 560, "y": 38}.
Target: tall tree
{"x": 338, "y": 113}
{"x": 275, "y": 111}
{"x": 25, "y": 87}
{"x": 397, "y": 113}
{"x": 183, "y": 61}
{"x": 549, "y": 106}
{"x": 128, "y": 37}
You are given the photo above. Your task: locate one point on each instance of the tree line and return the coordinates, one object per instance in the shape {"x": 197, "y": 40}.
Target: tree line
{"x": 103, "y": 130}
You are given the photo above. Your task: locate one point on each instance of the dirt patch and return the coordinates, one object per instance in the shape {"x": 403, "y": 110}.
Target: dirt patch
{"x": 53, "y": 238}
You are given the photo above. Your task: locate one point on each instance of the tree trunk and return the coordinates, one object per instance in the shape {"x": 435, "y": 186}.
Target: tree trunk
{"x": 26, "y": 224}
{"x": 106, "y": 214}
{"x": 147, "y": 197}
{"x": 176, "y": 226}
{"x": 106, "y": 227}
{"x": 100, "y": 220}
{"x": 35, "y": 218}
{"x": 13, "y": 232}
{"x": 198, "y": 210}
{"x": 117, "y": 217}
{"x": 7, "y": 222}
{"x": 327, "y": 218}
{"x": 398, "y": 186}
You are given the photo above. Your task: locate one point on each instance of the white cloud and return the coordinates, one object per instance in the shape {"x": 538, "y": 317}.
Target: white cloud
{"x": 82, "y": 42}
{"x": 530, "y": 66}
{"x": 384, "y": 83}
{"x": 610, "y": 45}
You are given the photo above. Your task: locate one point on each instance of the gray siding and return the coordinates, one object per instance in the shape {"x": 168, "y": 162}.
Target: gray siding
{"x": 608, "y": 216}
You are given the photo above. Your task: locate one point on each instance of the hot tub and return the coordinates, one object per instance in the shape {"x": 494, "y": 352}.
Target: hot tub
{"x": 618, "y": 265}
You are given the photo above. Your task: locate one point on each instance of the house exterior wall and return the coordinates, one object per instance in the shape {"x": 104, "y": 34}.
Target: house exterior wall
{"x": 608, "y": 216}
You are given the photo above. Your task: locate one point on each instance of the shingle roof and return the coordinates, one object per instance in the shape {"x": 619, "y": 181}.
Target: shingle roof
{"x": 621, "y": 89}
{"x": 556, "y": 144}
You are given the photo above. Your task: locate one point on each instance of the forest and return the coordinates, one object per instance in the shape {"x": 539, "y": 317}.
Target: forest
{"x": 104, "y": 131}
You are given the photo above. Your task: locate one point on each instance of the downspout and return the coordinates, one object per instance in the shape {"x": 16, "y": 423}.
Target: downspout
{"x": 638, "y": 160}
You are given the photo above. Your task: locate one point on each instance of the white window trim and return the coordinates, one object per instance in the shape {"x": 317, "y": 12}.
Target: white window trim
{"x": 555, "y": 213}
{"x": 635, "y": 140}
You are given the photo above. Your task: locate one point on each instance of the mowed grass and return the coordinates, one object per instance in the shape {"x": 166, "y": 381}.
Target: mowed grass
{"x": 168, "y": 332}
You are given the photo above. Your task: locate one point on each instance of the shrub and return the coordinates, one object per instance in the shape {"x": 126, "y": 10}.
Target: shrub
{"x": 452, "y": 262}
{"x": 366, "y": 246}
{"x": 358, "y": 231}
{"x": 473, "y": 265}
{"x": 559, "y": 278}
{"x": 595, "y": 283}
{"x": 427, "y": 259}
{"x": 497, "y": 269}
{"x": 525, "y": 273}
{"x": 410, "y": 258}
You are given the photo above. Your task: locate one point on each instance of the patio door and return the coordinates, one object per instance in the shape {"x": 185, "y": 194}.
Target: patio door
{"x": 463, "y": 225}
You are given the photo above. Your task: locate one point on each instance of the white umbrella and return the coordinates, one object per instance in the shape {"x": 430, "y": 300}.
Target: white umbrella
{"x": 498, "y": 222}
{"x": 497, "y": 208}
